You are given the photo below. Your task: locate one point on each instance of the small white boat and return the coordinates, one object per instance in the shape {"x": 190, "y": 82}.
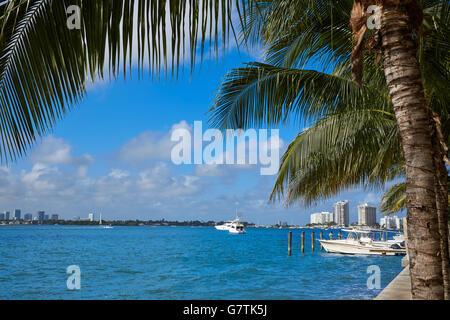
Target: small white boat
{"x": 100, "y": 223}
{"x": 360, "y": 242}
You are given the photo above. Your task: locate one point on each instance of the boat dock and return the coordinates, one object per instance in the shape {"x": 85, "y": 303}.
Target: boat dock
{"x": 398, "y": 289}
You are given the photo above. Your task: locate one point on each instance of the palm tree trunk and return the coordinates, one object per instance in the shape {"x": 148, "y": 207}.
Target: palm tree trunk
{"x": 404, "y": 81}
{"x": 442, "y": 199}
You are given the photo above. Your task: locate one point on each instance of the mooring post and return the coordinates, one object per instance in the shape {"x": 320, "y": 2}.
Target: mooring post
{"x": 321, "y": 238}
{"x": 387, "y": 236}
{"x": 289, "y": 242}
{"x": 331, "y": 235}
{"x": 340, "y": 235}
{"x": 303, "y": 241}
{"x": 312, "y": 241}
{"x": 381, "y": 235}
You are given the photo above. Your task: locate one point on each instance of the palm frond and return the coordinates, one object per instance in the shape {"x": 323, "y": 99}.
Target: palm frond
{"x": 44, "y": 65}
{"x": 264, "y": 94}
{"x": 352, "y": 148}
{"x": 394, "y": 199}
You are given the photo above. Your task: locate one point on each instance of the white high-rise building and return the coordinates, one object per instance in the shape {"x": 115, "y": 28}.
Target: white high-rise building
{"x": 367, "y": 215}
{"x": 327, "y": 217}
{"x": 398, "y": 222}
{"x": 321, "y": 218}
{"x": 393, "y": 222}
{"x": 315, "y": 218}
{"x": 91, "y": 217}
{"x": 342, "y": 213}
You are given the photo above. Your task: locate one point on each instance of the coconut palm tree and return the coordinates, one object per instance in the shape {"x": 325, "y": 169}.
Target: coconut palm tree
{"x": 271, "y": 94}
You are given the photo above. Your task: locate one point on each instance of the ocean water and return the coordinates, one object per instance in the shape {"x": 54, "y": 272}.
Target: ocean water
{"x": 179, "y": 263}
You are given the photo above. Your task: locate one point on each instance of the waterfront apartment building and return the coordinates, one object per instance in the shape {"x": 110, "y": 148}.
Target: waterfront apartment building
{"x": 322, "y": 218}
{"x": 342, "y": 213}
{"x": 28, "y": 217}
{"x": 398, "y": 222}
{"x": 91, "y": 217}
{"x": 2, "y": 216}
{"x": 17, "y": 214}
{"x": 393, "y": 222}
{"x": 54, "y": 217}
{"x": 367, "y": 215}
{"x": 6, "y": 213}
{"x": 40, "y": 215}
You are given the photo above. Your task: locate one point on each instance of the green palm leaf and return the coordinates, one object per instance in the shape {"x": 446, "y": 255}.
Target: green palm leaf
{"x": 394, "y": 199}
{"x": 340, "y": 151}
{"x": 264, "y": 94}
{"x": 44, "y": 66}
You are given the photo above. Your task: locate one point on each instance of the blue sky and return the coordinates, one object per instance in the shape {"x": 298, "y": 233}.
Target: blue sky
{"x": 109, "y": 155}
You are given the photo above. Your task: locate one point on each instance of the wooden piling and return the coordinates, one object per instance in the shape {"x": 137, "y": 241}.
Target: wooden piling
{"x": 321, "y": 238}
{"x": 387, "y": 236}
{"x": 331, "y": 235}
{"x": 312, "y": 241}
{"x": 340, "y": 235}
{"x": 303, "y": 241}
{"x": 381, "y": 236}
{"x": 289, "y": 242}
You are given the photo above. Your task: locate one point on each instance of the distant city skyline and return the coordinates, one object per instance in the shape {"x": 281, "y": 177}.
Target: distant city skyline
{"x": 17, "y": 216}
{"x": 307, "y": 217}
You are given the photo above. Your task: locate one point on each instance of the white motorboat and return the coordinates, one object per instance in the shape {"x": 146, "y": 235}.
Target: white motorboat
{"x": 227, "y": 225}
{"x": 360, "y": 242}
{"x": 232, "y": 226}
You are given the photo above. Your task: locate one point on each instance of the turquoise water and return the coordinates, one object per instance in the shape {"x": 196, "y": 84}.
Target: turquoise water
{"x": 178, "y": 263}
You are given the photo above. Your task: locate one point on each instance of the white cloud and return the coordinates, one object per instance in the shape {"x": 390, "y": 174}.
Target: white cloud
{"x": 252, "y": 148}
{"x": 60, "y": 190}
{"x": 58, "y": 182}
{"x": 118, "y": 174}
{"x": 372, "y": 198}
{"x": 55, "y": 151}
{"x": 149, "y": 145}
